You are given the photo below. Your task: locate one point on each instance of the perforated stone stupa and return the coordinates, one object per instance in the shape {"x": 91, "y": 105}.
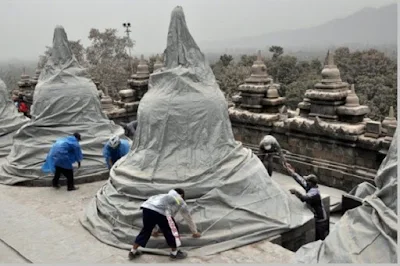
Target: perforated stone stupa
{"x": 328, "y": 94}
{"x": 107, "y": 104}
{"x": 35, "y": 78}
{"x": 331, "y": 108}
{"x": 10, "y": 121}
{"x": 65, "y": 101}
{"x": 389, "y": 124}
{"x": 184, "y": 138}
{"x": 139, "y": 80}
{"x": 352, "y": 111}
{"x": 258, "y": 94}
{"x": 259, "y": 98}
{"x": 158, "y": 63}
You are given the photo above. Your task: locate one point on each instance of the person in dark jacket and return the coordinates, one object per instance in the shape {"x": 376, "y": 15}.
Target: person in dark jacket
{"x": 313, "y": 200}
{"x": 130, "y": 129}
{"x": 268, "y": 147}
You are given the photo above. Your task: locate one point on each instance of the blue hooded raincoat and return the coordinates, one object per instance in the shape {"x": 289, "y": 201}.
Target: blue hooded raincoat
{"x": 115, "y": 154}
{"x": 64, "y": 152}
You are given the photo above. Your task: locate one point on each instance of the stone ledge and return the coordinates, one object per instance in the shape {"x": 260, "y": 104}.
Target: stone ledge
{"x": 297, "y": 237}
{"x": 252, "y": 118}
{"x": 335, "y": 129}
{"x": 325, "y": 95}
{"x": 273, "y": 101}
{"x": 260, "y": 89}
{"x": 358, "y": 110}
{"x": 328, "y": 84}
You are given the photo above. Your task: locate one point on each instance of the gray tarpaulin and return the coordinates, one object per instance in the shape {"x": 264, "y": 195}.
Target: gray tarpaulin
{"x": 10, "y": 121}
{"x": 184, "y": 139}
{"x": 368, "y": 233}
{"x": 65, "y": 101}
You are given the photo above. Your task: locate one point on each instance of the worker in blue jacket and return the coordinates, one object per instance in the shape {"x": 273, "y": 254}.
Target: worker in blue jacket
{"x": 64, "y": 152}
{"x": 115, "y": 149}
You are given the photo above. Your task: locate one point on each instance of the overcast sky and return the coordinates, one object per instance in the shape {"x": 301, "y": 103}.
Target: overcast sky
{"x": 26, "y": 26}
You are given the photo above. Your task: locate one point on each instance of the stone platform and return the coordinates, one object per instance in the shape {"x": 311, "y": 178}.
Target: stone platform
{"x": 41, "y": 225}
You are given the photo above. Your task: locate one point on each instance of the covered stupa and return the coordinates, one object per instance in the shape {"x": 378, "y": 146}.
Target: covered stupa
{"x": 367, "y": 233}
{"x": 184, "y": 139}
{"x": 10, "y": 121}
{"x": 65, "y": 101}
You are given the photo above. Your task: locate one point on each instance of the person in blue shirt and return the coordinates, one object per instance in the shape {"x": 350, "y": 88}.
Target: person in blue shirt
{"x": 115, "y": 149}
{"x": 64, "y": 152}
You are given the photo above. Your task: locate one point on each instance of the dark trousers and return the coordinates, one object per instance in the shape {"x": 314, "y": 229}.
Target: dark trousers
{"x": 270, "y": 158}
{"x": 68, "y": 173}
{"x": 150, "y": 220}
{"x": 321, "y": 229}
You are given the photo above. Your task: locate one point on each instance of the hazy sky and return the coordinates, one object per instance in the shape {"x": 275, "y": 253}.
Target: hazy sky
{"x": 26, "y": 26}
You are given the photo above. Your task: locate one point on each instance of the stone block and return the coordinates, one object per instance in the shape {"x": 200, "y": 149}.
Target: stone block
{"x": 251, "y": 100}
{"x": 373, "y": 129}
{"x": 391, "y": 129}
{"x": 127, "y": 93}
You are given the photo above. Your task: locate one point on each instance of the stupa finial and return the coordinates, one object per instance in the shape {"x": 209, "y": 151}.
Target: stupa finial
{"x": 330, "y": 60}
{"x": 259, "y": 55}
{"x": 391, "y": 112}
{"x": 353, "y": 90}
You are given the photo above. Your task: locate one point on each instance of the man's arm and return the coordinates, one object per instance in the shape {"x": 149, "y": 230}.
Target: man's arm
{"x": 303, "y": 198}
{"x": 283, "y": 159}
{"x": 78, "y": 154}
{"x": 261, "y": 153}
{"x": 189, "y": 220}
{"x": 298, "y": 178}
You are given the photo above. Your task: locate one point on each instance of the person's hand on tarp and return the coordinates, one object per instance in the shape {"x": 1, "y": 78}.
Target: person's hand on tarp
{"x": 294, "y": 191}
{"x": 196, "y": 235}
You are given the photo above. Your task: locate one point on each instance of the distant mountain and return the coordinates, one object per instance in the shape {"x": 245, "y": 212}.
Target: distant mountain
{"x": 369, "y": 27}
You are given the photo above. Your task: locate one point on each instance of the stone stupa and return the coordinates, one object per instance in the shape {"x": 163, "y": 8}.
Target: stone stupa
{"x": 184, "y": 139}
{"x": 10, "y": 121}
{"x": 65, "y": 101}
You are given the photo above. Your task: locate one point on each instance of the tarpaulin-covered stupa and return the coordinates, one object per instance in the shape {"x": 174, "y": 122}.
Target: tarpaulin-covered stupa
{"x": 184, "y": 139}
{"x": 65, "y": 101}
{"x": 368, "y": 233}
{"x": 10, "y": 121}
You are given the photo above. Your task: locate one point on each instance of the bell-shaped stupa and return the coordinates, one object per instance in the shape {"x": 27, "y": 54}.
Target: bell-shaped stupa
{"x": 65, "y": 101}
{"x": 184, "y": 139}
{"x": 10, "y": 121}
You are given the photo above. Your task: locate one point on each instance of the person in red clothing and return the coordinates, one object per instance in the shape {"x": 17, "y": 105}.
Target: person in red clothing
{"x": 22, "y": 106}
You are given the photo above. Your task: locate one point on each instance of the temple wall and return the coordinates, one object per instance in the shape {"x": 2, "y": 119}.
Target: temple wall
{"x": 125, "y": 118}
{"x": 337, "y": 163}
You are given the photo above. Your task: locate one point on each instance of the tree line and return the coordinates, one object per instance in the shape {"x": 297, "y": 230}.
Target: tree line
{"x": 109, "y": 62}
{"x": 371, "y": 71}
